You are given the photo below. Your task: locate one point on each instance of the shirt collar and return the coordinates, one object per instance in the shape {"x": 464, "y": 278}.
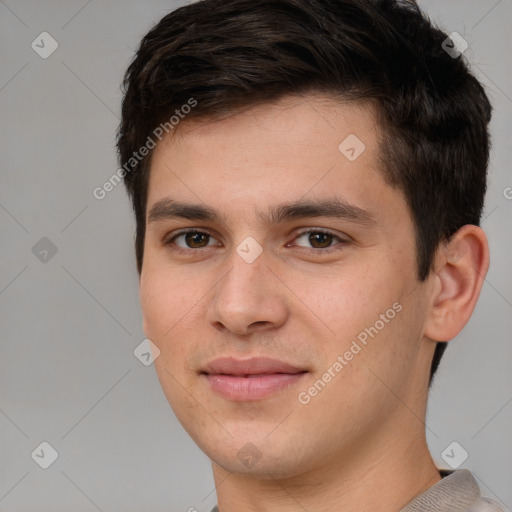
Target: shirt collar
{"x": 457, "y": 491}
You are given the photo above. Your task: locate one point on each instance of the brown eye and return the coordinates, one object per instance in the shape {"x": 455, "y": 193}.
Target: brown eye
{"x": 197, "y": 240}
{"x": 320, "y": 240}
{"x": 191, "y": 239}
{"x": 317, "y": 239}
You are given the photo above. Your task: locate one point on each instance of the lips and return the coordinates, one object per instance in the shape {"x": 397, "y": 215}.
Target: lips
{"x": 250, "y": 379}
{"x": 250, "y": 367}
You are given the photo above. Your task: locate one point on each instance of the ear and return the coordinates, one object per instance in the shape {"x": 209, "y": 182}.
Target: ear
{"x": 459, "y": 271}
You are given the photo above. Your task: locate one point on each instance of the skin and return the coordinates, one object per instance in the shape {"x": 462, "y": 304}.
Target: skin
{"x": 359, "y": 444}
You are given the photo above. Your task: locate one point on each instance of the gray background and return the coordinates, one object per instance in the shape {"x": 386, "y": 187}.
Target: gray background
{"x": 68, "y": 374}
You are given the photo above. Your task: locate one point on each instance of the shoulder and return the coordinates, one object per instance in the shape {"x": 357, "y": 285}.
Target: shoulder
{"x": 457, "y": 490}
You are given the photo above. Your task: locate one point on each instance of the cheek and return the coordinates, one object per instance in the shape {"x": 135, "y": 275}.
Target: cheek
{"x": 165, "y": 301}
{"x": 369, "y": 314}
{"x": 351, "y": 300}
{"x": 167, "y": 310}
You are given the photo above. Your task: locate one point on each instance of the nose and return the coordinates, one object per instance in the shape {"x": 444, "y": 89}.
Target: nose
{"x": 249, "y": 298}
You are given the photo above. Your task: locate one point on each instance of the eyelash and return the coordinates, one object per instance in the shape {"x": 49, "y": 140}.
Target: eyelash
{"x": 168, "y": 241}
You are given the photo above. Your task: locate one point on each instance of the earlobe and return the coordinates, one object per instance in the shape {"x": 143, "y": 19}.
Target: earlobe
{"x": 460, "y": 268}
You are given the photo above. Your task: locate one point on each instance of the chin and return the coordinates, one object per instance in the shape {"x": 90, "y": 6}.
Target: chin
{"x": 262, "y": 460}
{"x": 261, "y": 470}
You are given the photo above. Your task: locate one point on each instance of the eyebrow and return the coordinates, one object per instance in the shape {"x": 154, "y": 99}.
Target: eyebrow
{"x": 168, "y": 208}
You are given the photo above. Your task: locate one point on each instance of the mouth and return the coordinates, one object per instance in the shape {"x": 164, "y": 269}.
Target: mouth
{"x": 250, "y": 379}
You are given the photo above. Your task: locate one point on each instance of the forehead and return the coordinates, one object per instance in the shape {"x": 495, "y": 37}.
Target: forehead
{"x": 293, "y": 149}
{"x": 286, "y": 127}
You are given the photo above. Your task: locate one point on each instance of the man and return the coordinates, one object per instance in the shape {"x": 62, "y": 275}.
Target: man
{"x": 307, "y": 179}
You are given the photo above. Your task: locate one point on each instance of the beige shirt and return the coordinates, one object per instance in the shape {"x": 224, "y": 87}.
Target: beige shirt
{"x": 457, "y": 491}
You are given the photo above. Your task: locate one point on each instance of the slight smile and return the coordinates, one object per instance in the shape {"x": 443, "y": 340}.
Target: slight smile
{"x": 250, "y": 379}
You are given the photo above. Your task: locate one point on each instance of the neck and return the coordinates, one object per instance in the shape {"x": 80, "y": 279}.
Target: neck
{"x": 384, "y": 472}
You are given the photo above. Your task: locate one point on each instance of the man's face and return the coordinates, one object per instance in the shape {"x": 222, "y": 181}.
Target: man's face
{"x": 332, "y": 297}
